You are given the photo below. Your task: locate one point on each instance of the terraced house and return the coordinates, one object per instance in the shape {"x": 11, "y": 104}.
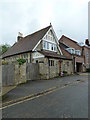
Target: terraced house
{"x": 41, "y": 47}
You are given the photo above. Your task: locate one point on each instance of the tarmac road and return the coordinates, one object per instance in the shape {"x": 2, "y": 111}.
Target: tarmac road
{"x": 68, "y": 102}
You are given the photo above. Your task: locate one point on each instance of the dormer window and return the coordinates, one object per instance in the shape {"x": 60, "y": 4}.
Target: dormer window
{"x": 71, "y": 50}
{"x": 77, "y": 52}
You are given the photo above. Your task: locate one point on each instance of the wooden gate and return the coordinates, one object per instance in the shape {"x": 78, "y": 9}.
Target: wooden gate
{"x": 32, "y": 71}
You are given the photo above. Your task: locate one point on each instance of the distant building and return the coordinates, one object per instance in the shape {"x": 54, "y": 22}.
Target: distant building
{"x": 77, "y": 52}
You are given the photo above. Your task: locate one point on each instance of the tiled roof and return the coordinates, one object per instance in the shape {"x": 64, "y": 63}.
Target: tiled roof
{"x": 63, "y": 36}
{"x": 53, "y": 55}
{"x": 27, "y": 43}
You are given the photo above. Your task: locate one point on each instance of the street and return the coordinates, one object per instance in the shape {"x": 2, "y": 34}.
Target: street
{"x": 70, "y": 101}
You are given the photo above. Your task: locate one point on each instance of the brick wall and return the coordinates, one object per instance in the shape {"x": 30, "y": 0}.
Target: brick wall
{"x": 87, "y": 56}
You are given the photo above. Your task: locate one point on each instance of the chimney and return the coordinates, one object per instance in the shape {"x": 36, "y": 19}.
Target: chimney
{"x": 20, "y": 36}
{"x": 50, "y": 24}
{"x": 87, "y": 42}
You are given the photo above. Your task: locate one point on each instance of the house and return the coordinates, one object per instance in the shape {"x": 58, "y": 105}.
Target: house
{"x": 40, "y": 47}
{"x": 86, "y": 54}
{"x": 72, "y": 49}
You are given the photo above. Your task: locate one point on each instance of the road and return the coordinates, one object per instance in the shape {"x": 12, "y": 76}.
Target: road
{"x": 69, "y": 102}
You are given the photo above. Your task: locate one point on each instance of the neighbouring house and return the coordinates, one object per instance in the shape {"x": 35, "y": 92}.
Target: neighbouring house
{"x": 86, "y": 53}
{"x": 74, "y": 50}
{"x": 41, "y": 47}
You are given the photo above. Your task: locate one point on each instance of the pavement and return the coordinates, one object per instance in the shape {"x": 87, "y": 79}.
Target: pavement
{"x": 7, "y": 89}
{"x": 34, "y": 88}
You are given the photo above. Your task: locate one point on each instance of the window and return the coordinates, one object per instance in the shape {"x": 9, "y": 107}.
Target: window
{"x": 44, "y": 44}
{"x": 51, "y": 62}
{"x": 47, "y": 45}
{"x": 71, "y": 50}
{"x": 52, "y": 46}
{"x": 77, "y": 52}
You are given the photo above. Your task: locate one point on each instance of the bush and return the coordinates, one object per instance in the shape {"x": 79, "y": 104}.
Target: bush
{"x": 21, "y": 61}
{"x": 4, "y": 62}
{"x": 88, "y": 70}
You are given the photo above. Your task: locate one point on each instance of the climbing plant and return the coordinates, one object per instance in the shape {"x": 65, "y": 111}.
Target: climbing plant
{"x": 21, "y": 61}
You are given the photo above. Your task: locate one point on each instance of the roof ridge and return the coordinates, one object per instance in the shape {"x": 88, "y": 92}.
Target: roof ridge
{"x": 69, "y": 38}
{"x": 37, "y": 31}
{"x": 27, "y": 43}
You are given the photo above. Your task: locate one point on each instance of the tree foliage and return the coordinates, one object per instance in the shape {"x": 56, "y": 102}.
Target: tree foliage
{"x": 4, "y": 48}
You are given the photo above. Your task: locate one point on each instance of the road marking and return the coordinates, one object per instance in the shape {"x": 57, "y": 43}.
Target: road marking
{"x": 32, "y": 98}
{"x": 46, "y": 92}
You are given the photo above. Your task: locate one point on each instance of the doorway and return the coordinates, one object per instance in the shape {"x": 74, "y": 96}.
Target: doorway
{"x": 78, "y": 67}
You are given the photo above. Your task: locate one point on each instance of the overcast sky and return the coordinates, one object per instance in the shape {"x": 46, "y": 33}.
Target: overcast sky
{"x": 68, "y": 17}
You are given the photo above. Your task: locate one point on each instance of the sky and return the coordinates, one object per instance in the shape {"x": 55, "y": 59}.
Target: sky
{"x": 68, "y": 17}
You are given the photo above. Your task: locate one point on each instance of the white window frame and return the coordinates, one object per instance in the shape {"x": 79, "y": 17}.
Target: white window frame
{"x": 77, "y": 52}
{"x": 49, "y": 45}
{"x": 70, "y": 50}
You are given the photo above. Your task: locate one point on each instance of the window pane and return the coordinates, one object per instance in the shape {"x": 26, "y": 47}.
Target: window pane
{"x": 47, "y": 45}
{"x": 52, "y": 46}
{"x": 44, "y": 44}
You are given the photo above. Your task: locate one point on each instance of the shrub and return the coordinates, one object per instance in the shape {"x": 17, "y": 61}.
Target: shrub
{"x": 88, "y": 70}
{"x": 4, "y": 62}
{"x": 21, "y": 61}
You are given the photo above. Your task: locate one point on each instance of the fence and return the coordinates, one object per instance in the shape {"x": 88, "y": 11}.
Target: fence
{"x": 8, "y": 75}
{"x": 14, "y": 74}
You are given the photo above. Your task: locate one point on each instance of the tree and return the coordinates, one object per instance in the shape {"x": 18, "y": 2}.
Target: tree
{"x": 4, "y": 48}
